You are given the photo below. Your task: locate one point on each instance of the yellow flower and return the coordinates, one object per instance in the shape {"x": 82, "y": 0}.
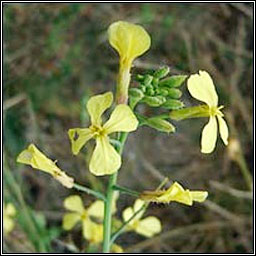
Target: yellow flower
{"x": 92, "y": 231}
{"x": 147, "y": 227}
{"x": 176, "y": 193}
{"x": 79, "y": 213}
{"x": 9, "y": 212}
{"x": 32, "y": 156}
{"x": 202, "y": 88}
{"x": 130, "y": 41}
{"x": 105, "y": 160}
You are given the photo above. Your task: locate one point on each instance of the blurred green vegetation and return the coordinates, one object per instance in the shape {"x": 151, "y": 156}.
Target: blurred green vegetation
{"x": 56, "y": 56}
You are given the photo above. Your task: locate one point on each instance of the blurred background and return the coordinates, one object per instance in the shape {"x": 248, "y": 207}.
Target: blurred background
{"x": 57, "y": 55}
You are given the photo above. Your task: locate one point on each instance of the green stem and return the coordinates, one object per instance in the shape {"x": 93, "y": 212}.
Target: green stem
{"x": 109, "y": 199}
{"x": 245, "y": 171}
{"x": 126, "y": 190}
{"x": 89, "y": 191}
{"x": 123, "y": 227}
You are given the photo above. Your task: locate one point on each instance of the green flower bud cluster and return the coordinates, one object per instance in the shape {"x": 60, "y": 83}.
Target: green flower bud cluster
{"x": 158, "y": 90}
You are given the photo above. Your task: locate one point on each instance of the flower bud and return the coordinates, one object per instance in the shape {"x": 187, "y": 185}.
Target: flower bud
{"x": 173, "y": 81}
{"x": 162, "y": 72}
{"x": 173, "y": 104}
{"x": 160, "y": 124}
{"x": 147, "y": 80}
{"x": 136, "y": 92}
{"x": 174, "y": 93}
{"x": 155, "y": 101}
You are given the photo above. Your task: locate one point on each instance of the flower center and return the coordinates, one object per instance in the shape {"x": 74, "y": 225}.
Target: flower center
{"x": 215, "y": 111}
{"x": 84, "y": 215}
{"x": 97, "y": 131}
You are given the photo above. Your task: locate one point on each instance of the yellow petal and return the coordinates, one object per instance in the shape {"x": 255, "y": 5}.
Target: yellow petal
{"x": 10, "y": 210}
{"x": 176, "y": 193}
{"x": 149, "y": 226}
{"x": 78, "y": 138}
{"x": 8, "y": 224}
{"x": 201, "y": 87}
{"x": 121, "y": 120}
{"x": 127, "y": 214}
{"x": 115, "y": 248}
{"x": 105, "y": 160}
{"x": 32, "y": 156}
{"x": 129, "y": 40}
{"x": 97, "y": 105}
{"x": 137, "y": 206}
{"x": 74, "y": 203}
{"x": 223, "y": 129}
{"x": 70, "y": 220}
{"x": 96, "y": 209}
{"x": 92, "y": 232}
{"x": 209, "y": 136}
{"x": 199, "y": 196}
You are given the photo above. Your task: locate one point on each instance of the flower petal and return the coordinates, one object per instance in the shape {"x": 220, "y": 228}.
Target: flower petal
{"x": 74, "y": 203}
{"x": 149, "y": 226}
{"x": 78, "y": 138}
{"x": 128, "y": 39}
{"x": 8, "y": 224}
{"x": 127, "y": 214}
{"x": 223, "y": 129}
{"x": 201, "y": 87}
{"x": 105, "y": 160}
{"x": 10, "y": 210}
{"x": 137, "y": 206}
{"x": 32, "y": 156}
{"x": 96, "y": 209}
{"x": 92, "y": 232}
{"x": 121, "y": 120}
{"x": 209, "y": 136}
{"x": 97, "y": 105}
{"x": 70, "y": 220}
{"x": 199, "y": 196}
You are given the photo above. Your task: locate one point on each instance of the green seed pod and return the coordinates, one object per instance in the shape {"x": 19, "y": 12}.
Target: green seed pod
{"x": 155, "y": 101}
{"x": 160, "y": 124}
{"x": 162, "y": 72}
{"x": 136, "y": 92}
{"x": 174, "y": 93}
{"x": 173, "y": 81}
{"x": 147, "y": 80}
{"x": 173, "y": 104}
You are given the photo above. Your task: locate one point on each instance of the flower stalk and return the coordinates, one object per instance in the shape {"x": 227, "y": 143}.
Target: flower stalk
{"x": 109, "y": 198}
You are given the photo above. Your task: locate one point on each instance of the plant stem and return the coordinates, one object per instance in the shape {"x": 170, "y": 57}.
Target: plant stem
{"x": 89, "y": 191}
{"x": 122, "y": 228}
{"x": 109, "y": 199}
{"x": 126, "y": 190}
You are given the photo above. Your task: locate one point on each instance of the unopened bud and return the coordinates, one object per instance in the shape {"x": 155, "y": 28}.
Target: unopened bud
{"x": 147, "y": 80}
{"x": 139, "y": 78}
{"x": 173, "y": 104}
{"x": 173, "y": 81}
{"x": 136, "y": 92}
{"x": 160, "y": 124}
{"x": 174, "y": 93}
{"x": 155, "y": 101}
{"x": 162, "y": 72}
